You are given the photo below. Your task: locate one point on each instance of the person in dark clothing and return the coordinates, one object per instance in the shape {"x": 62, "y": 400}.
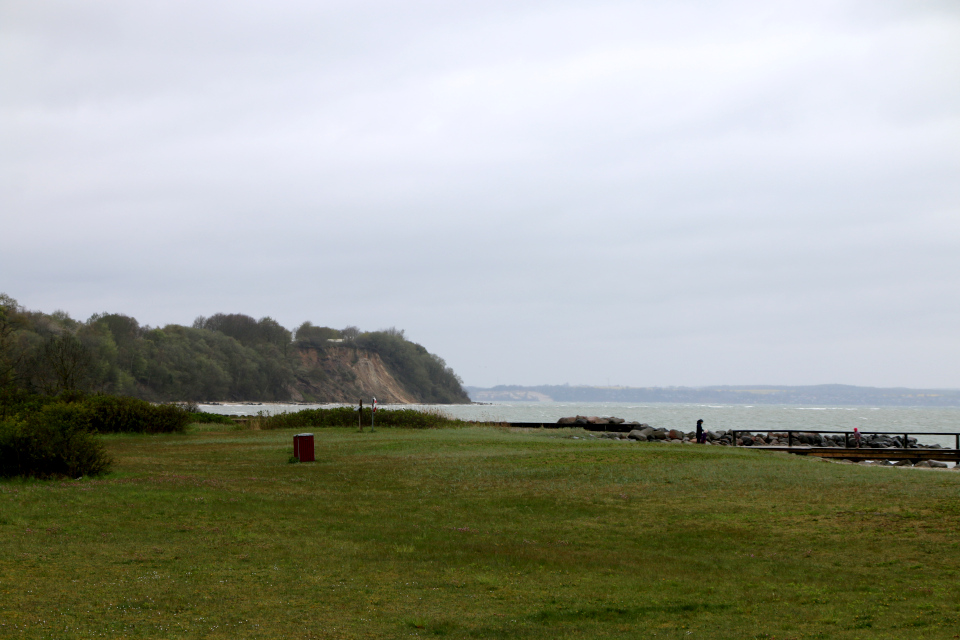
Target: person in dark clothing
{"x": 700, "y": 435}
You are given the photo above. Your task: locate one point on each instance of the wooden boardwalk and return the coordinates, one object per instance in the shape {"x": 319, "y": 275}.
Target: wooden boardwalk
{"x": 867, "y": 453}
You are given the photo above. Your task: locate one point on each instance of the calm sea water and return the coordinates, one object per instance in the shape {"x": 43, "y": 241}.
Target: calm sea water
{"x": 685, "y": 416}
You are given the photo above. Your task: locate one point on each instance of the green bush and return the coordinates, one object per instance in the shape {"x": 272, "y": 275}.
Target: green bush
{"x": 205, "y": 418}
{"x": 119, "y": 414}
{"x": 105, "y": 414}
{"x": 53, "y": 442}
{"x": 55, "y": 436}
{"x": 349, "y": 417}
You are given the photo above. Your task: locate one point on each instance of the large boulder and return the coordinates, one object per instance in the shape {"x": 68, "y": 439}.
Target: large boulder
{"x": 646, "y": 430}
{"x": 569, "y": 420}
{"x": 675, "y": 434}
{"x": 637, "y": 434}
{"x": 936, "y": 464}
{"x": 615, "y": 421}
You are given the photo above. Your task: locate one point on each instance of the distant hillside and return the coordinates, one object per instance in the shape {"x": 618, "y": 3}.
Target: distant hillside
{"x": 223, "y": 357}
{"x": 827, "y": 394}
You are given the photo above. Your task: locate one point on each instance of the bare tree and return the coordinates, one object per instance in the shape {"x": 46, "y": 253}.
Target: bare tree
{"x": 10, "y": 358}
{"x": 393, "y": 331}
{"x": 65, "y": 364}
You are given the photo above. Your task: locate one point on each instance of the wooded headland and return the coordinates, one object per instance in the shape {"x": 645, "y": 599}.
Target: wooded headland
{"x": 222, "y": 357}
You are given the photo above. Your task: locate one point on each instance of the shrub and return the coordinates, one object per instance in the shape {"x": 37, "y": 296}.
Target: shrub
{"x": 53, "y": 442}
{"x": 105, "y": 414}
{"x": 348, "y": 417}
{"x": 119, "y": 414}
{"x": 204, "y": 417}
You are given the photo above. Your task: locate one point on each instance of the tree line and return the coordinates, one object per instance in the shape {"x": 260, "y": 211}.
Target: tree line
{"x": 221, "y": 357}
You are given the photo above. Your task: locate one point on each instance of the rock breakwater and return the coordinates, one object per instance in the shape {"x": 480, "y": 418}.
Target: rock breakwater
{"x": 619, "y": 429}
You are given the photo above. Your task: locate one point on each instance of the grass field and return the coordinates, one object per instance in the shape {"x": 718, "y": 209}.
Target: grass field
{"x": 476, "y": 533}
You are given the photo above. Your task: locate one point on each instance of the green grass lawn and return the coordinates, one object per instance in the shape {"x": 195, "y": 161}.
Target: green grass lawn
{"x": 477, "y": 533}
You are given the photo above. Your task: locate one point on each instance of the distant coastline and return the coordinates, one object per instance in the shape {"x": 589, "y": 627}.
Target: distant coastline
{"x": 829, "y": 394}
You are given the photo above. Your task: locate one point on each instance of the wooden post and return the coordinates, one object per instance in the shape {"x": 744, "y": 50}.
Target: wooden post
{"x": 789, "y": 438}
{"x": 360, "y": 416}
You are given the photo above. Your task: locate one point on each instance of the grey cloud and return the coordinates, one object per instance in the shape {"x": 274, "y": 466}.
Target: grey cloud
{"x": 541, "y": 192}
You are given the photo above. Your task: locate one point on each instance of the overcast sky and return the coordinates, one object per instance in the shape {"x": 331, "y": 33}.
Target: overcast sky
{"x": 581, "y": 191}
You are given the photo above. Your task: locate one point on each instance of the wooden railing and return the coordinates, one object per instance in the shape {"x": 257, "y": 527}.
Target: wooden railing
{"x": 849, "y": 435}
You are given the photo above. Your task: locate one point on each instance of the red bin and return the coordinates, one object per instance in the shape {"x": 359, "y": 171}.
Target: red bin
{"x": 303, "y": 447}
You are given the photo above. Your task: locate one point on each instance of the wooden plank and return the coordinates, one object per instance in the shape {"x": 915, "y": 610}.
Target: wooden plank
{"x": 951, "y": 455}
